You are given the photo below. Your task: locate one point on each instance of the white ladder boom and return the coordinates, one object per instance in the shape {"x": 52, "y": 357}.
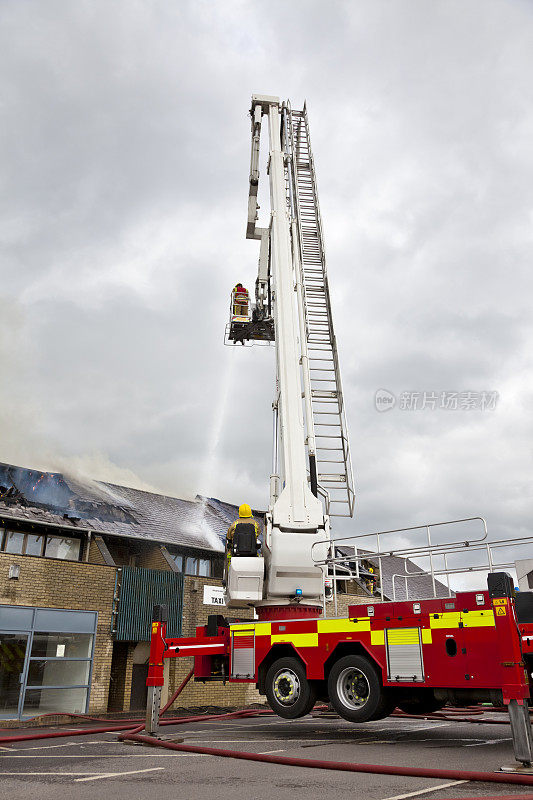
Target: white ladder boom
{"x": 327, "y": 430}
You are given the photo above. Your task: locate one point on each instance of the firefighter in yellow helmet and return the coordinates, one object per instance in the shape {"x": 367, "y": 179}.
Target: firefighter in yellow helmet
{"x": 246, "y": 523}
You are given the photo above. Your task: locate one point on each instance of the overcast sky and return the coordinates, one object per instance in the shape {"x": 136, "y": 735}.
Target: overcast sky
{"x": 124, "y": 166}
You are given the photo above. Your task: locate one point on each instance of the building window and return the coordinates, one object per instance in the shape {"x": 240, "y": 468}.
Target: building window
{"x": 59, "y": 672}
{"x": 66, "y": 548}
{"x": 14, "y": 542}
{"x": 191, "y": 566}
{"x": 47, "y": 662}
{"x": 34, "y": 545}
{"x": 62, "y": 547}
{"x": 217, "y": 568}
{"x": 203, "y": 567}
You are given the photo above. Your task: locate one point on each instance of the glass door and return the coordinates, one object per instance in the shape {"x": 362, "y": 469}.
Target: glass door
{"x": 13, "y": 647}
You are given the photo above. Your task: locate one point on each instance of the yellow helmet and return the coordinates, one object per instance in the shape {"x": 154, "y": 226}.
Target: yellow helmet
{"x": 245, "y": 510}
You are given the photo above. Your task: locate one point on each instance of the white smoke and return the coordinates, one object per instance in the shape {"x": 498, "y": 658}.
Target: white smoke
{"x": 23, "y": 442}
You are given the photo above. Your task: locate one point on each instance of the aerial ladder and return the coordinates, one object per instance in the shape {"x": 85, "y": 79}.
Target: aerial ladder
{"x": 312, "y": 474}
{"x": 416, "y": 654}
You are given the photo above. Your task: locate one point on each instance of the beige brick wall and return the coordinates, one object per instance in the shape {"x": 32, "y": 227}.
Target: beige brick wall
{"x": 95, "y": 556}
{"x": 53, "y": 583}
{"x": 152, "y": 558}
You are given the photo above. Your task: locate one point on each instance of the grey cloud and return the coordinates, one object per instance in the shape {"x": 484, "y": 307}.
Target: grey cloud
{"x": 124, "y": 159}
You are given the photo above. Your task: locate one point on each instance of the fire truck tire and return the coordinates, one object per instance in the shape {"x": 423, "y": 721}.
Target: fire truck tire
{"x": 385, "y": 708}
{"x": 355, "y": 690}
{"x": 290, "y": 695}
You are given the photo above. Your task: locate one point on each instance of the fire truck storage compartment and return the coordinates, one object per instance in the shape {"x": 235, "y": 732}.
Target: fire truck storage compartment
{"x": 404, "y": 654}
{"x": 243, "y": 653}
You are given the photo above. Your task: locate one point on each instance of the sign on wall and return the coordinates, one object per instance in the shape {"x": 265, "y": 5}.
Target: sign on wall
{"x": 214, "y": 596}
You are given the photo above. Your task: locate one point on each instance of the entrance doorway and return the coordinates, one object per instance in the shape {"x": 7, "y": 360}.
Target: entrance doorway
{"x": 139, "y": 690}
{"x": 13, "y": 649}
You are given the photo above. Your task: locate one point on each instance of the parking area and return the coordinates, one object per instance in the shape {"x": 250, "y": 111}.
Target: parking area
{"x": 92, "y": 765}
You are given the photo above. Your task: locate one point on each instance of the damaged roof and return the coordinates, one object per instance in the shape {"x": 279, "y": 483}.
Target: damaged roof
{"x": 55, "y": 498}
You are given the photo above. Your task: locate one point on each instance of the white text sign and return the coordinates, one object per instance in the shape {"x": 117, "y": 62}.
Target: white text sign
{"x": 214, "y": 596}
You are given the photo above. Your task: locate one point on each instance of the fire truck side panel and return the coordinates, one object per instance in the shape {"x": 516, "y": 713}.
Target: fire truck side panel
{"x": 454, "y": 643}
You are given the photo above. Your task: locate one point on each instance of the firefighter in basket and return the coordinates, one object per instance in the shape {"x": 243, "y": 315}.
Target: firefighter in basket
{"x": 241, "y": 301}
{"x": 243, "y": 536}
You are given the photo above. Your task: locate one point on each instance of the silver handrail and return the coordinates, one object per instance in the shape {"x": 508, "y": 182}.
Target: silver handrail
{"x": 431, "y": 551}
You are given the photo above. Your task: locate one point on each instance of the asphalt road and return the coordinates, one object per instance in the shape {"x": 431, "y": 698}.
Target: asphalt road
{"x": 98, "y": 765}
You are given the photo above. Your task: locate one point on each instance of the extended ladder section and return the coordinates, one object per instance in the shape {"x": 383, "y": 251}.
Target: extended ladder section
{"x": 328, "y": 429}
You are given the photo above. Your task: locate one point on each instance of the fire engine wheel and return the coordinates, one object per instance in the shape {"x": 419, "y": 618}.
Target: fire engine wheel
{"x": 290, "y": 695}
{"x": 355, "y": 690}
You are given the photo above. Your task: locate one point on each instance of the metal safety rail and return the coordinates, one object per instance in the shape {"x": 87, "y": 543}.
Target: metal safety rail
{"x": 475, "y": 552}
{"x": 327, "y": 428}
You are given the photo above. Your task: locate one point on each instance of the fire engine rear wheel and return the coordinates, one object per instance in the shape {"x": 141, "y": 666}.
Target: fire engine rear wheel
{"x": 355, "y": 690}
{"x": 290, "y": 695}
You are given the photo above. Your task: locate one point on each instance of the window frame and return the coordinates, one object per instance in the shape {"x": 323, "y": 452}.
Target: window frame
{"x": 5, "y": 531}
{"x": 180, "y": 560}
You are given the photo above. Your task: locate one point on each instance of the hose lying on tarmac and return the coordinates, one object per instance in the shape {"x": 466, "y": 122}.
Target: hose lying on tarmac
{"x": 131, "y": 732}
{"x": 341, "y": 766}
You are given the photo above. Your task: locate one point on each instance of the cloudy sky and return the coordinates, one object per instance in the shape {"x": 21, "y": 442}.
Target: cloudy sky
{"x": 124, "y": 164}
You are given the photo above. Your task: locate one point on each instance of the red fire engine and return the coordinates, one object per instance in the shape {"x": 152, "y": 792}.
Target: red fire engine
{"x": 415, "y": 654}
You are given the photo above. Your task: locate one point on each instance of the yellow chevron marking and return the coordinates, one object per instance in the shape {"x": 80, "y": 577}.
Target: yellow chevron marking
{"x": 343, "y": 625}
{"x": 403, "y": 636}
{"x": 450, "y": 619}
{"x": 480, "y": 619}
{"x": 377, "y": 637}
{"x": 297, "y": 639}
{"x": 426, "y": 636}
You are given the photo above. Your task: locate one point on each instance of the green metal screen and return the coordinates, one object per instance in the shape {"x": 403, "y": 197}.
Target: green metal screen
{"x": 140, "y": 589}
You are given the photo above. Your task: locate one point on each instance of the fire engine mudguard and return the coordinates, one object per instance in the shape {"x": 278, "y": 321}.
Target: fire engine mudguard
{"x": 356, "y": 691}
{"x": 290, "y": 695}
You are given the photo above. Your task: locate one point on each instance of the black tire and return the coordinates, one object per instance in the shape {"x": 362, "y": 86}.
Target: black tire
{"x": 386, "y": 707}
{"x": 425, "y": 704}
{"x": 290, "y": 695}
{"x": 355, "y": 690}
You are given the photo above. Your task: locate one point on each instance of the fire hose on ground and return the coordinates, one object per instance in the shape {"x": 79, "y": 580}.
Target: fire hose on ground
{"x": 131, "y": 732}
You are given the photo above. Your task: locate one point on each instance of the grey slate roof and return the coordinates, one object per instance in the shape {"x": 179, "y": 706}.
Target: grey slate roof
{"x": 58, "y": 499}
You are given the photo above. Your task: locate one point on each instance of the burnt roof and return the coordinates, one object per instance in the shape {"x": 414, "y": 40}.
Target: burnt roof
{"x": 57, "y": 499}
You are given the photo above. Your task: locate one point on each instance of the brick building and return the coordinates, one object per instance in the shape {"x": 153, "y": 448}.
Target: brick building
{"x": 81, "y": 564}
